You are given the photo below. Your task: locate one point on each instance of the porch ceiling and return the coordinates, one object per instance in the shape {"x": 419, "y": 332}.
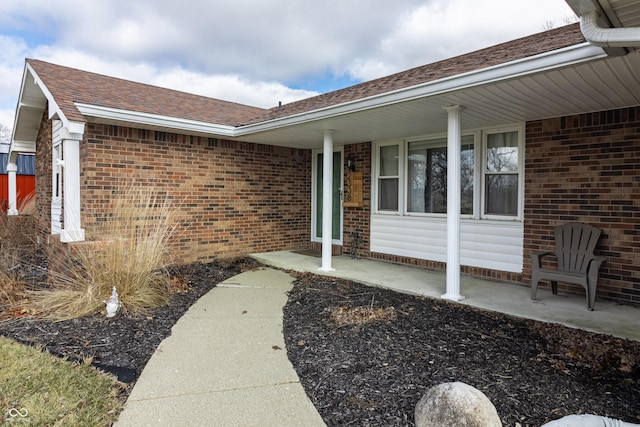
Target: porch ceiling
{"x": 626, "y": 12}
{"x": 619, "y": 13}
{"x": 32, "y": 105}
{"x": 607, "y": 83}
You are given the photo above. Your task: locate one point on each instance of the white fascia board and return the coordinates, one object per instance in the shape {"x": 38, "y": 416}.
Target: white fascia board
{"x": 559, "y": 58}
{"x": 23, "y": 146}
{"x": 54, "y": 109}
{"x": 156, "y": 120}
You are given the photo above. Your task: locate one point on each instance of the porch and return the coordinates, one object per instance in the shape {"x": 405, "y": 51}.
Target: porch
{"x": 570, "y": 310}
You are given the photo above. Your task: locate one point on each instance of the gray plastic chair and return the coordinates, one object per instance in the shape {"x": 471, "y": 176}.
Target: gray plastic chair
{"x": 577, "y": 263}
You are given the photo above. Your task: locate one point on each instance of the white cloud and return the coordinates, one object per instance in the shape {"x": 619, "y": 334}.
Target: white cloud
{"x": 11, "y": 65}
{"x": 231, "y": 87}
{"x": 228, "y": 87}
{"x": 253, "y": 51}
{"x": 282, "y": 40}
{"x": 442, "y": 29}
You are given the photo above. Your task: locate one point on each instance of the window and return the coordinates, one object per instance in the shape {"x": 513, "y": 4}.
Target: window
{"x": 427, "y": 176}
{"x": 388, "y": 177}
{"x": 411, "y": 177}
{"x": 501, "y": 174}
{"x": 57, "y": 171}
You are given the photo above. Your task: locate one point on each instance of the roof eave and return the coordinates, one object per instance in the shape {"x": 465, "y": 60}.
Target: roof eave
{"x": 21, "y": 144}
{"x": 555, "y": 59}
{"x": 560, "y": 58}
{"x": 154, "y": 120}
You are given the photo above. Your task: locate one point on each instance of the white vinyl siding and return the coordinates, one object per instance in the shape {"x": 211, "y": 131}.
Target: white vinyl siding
{"x": 495, "y": 245}
{"x": 491, "y": 227}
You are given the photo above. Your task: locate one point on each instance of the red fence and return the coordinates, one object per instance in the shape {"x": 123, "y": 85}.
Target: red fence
{"x": 25, "y": 187}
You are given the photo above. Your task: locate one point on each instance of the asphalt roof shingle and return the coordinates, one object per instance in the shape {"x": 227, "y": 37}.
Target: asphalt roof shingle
{"x": 502, "y": 53}
{"x": 68, "y": 85}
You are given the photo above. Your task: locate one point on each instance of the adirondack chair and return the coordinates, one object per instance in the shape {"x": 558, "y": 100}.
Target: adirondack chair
{"x": 577, "y": 264}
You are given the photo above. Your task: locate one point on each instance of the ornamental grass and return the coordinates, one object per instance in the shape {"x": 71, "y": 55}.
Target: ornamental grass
{"x": 17, "y": 239}
{"x": 131, "y": 256}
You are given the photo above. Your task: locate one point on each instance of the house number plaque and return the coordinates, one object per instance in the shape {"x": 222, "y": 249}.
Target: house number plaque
{"x": 353, "y": 190}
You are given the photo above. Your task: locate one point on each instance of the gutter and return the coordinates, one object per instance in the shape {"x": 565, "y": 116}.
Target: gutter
{"x": 575, "y": 54}
{"x": 570, "y": 55}
{"x": 607, "y": 37}
{"x": 155, "y": 120}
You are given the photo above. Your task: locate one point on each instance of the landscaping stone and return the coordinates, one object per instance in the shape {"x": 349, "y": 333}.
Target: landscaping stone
{"x": 455, "y": 405}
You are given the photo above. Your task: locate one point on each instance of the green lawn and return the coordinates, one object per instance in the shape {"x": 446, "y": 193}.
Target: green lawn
{"x": 37, "y": 388}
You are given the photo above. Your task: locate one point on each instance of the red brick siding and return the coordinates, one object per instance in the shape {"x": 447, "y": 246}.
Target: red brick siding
{"x": 587, "y": 168}
{"x": 237, "y": 198}
{"x": 240, "y": 198}
{"x": 44, "y": 145}
{"x": 357, "y": 219}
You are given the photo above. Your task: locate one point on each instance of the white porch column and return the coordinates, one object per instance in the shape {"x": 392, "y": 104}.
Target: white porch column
{"x": 327, "y": 200}
{"x": 72, "y": 232}
{"x": 453, "y": 204}
{"x": 12, "y": 169}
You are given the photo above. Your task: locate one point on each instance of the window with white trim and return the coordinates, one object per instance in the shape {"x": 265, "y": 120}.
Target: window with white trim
{"x": 388, "y": 171}
{"x": 427, "y": 175}
{"x": 501, "y": 173}
{"x": 415, "y": 183}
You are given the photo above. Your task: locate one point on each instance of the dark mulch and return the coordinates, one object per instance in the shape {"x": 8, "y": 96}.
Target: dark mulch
{"x": 372, "y": 373}
{"x": 122, "y": 345}
{"x": 365, "y": 356}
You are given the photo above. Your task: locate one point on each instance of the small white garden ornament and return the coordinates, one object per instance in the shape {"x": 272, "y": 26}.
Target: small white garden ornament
{"x": 113, "y": 304}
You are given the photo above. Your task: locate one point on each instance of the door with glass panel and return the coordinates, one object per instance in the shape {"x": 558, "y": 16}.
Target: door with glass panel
{"x": 336, "y": 213}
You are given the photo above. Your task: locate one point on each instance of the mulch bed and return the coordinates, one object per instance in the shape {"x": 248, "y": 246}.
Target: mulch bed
{"x": 365, "y": 356}
{"x": 122, "y": 345}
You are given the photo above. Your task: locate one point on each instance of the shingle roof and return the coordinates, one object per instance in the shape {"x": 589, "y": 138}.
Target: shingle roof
{"x": 506, "y": 52}
{"x": 68, "y": 85}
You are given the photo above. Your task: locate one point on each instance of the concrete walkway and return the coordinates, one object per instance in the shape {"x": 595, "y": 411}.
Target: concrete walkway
{"x": 570, "y": 310}
{"x": 225, "y": 363}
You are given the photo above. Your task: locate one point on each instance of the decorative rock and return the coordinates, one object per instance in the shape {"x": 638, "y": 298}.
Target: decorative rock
{"x": 456, "y": 405}
{"x": 588, "y": 421}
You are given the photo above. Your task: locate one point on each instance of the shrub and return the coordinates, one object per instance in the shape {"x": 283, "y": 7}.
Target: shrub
{"x": 17, "y": 241}
{"x": 132, "y": 255}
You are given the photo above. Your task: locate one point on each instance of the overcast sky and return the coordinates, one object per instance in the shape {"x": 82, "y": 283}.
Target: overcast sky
{"x": 255, "y": 52}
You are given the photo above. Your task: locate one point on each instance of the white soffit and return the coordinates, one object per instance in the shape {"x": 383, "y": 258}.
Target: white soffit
{"x": 540, "y": 63}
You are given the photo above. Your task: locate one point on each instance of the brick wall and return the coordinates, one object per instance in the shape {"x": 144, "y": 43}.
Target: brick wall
{"x": 240, "y": 198}
{"x": 236, "y": 198}
{"x": 43, "y": 178}
{"x": 586, "y": 168}
{"x": 357, "y": 219}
